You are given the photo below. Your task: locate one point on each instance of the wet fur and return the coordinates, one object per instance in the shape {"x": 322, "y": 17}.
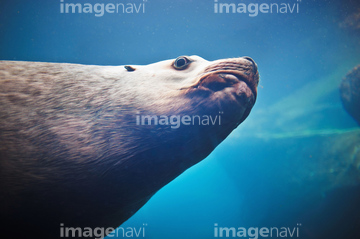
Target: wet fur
{"x": 71, "y": 152}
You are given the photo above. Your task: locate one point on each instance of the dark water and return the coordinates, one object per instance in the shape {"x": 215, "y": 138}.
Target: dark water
{"x": 294, "y": 163}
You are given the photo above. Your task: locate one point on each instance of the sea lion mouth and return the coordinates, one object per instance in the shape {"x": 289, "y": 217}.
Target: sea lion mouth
{"x": 221, "y": 79}
{"x": 237, "y": 76}
{"x": 226, "y": 82}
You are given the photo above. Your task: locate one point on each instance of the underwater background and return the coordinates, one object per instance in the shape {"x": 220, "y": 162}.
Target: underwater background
{"x": 294, "y": 162}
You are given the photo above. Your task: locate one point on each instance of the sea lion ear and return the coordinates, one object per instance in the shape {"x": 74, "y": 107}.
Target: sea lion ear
{"x": 130, "y": 68}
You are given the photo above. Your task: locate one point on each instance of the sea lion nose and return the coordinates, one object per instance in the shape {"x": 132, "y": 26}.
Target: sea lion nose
{"x": 253, "y": 63}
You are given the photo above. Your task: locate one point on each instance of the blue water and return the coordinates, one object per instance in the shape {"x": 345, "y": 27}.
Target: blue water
{"x": 279, "y": 168}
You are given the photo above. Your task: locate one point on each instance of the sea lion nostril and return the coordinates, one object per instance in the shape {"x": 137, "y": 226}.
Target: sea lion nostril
{"x": 252, "y": 61}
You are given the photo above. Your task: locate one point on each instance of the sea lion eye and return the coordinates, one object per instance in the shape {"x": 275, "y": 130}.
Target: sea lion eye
{"x": 181, "y": 63}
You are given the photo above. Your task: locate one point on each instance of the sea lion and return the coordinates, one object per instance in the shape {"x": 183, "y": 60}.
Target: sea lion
{"x": 350, "y": 93}
{"x": 76, "y": 151}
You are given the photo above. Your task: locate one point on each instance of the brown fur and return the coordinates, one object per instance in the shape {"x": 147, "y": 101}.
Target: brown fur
{"x": 70, "y": 149}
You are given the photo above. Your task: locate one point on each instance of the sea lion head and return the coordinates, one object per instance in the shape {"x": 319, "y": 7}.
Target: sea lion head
{"x": 184, "y": 108}
{"x": 191, "y": 85}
